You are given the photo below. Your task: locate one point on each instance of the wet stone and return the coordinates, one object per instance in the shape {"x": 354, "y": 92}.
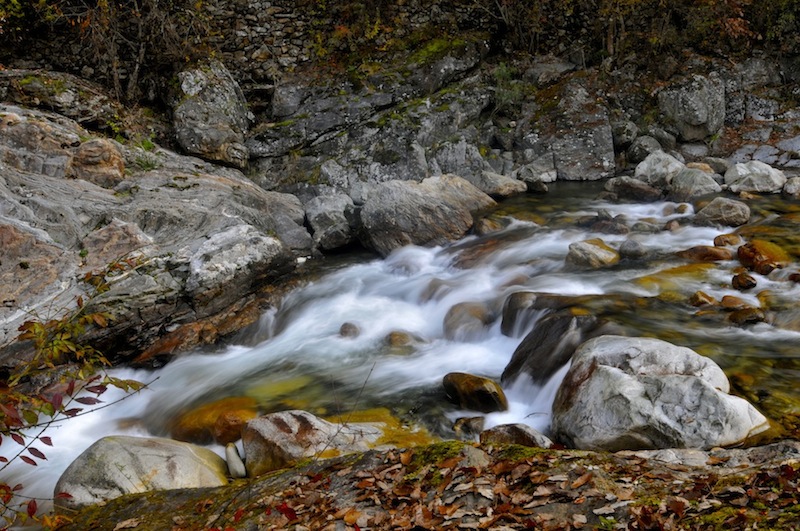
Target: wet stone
{"x": 743, "y": 281}
{"x": 747, "y": 316}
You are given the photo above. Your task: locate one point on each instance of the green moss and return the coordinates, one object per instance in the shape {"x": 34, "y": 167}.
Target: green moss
{"x": 435, "y": 49}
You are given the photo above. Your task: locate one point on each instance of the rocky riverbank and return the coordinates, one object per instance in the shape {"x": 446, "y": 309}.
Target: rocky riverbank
{"x": 217, "y": 208}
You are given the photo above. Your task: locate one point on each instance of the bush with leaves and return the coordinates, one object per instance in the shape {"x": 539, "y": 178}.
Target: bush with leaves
{"x": 76, "y": 378}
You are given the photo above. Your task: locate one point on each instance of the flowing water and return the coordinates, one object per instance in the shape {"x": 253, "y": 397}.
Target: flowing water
{"x": 296, "y": 357}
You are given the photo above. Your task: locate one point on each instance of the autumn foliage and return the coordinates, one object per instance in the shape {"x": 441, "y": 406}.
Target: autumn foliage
{"x": 74, "y": 380}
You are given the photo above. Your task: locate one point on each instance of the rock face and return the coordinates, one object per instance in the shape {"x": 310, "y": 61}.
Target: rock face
{"x": 280, "y": 439}
{"x": 202, "y": 237}
{"x": 641, "y": 393}
{"x": 696, "y": 106}
{"x": 211, "y": 116}
{"x": 118, "y": 465}
{"x": 437, "y": 210}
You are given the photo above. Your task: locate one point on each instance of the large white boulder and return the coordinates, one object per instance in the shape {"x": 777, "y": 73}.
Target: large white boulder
{"x": 118, "y": 465}
{"x": 643, "y": 393}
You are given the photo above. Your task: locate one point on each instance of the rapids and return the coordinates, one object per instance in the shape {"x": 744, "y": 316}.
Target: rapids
{"x": 295, "y": 356}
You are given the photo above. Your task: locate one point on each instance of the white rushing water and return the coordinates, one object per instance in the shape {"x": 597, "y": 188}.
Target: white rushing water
{"x": 409, "y": 291}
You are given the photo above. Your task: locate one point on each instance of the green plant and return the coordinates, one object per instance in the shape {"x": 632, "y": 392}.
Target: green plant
{"x": 76, "y": 370}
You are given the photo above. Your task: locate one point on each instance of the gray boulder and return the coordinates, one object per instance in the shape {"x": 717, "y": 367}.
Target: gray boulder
{"x": 280, "y": 439}
{"x": 549, "y": 346}
{"x": 723, "y": 211}
{"x": 329, "y": 216}
{"x": 658, "y": 169}
{"x": 118, "y": 465}
{"x": 642, "y": 147}
{"x": 695, "y": 106}
{"x": 433, "y": 212}
{"x": 691, "y": 183}
{"x": 792, "y": 188}
{"x": 211, "y": 117}
{"x": 754, "y": 176}
{"x": 642, "y": 393}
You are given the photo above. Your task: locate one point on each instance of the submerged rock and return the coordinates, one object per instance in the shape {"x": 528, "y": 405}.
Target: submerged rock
{"x": 642, "y": 393}
{"x": 119, "y": 465}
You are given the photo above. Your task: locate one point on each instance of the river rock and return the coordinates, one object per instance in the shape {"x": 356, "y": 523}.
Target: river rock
{"x": 550, "y": 345}
{"x": 792, "y": 188}
{"x": 497, "y": 185}
{"x": 474, "y": 393}
{"x": 521, "y": 434}
{"x": 118, "y": 465}
{"x": 691, "y": 183}
{"x": 632, "y": 189}
{"x": 591, "y": 254}
{"x": 658, "y": 169}
{"x": 743, "y": 281}
{"x": 280, "y": 439}
{"x": 754, "y": 176}
{"x": 642, "y": 393}
{"x": 696, "y": 106}
{"x": 220, "y": 421}
{"x": 762, "y": 255}
{"x": 723, "y": 211}
{"x": 433, "y": 212}
{"x": 329, "y": 216}
{"x": 706, "y": 253}
{"x": 467, "y": 321}
{"x": 211, "y": 117}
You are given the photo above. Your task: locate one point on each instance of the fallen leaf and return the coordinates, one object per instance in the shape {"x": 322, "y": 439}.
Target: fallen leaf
{"x": 581, "y": 481}
{"x": 130, "y": 523}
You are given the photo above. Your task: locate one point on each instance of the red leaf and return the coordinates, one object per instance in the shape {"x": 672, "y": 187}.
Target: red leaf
{"x": 10, "y": 411}
{"x": 18, "y": 439}
{"x": 3, "y": 459}
{"x": 35, "y": 452}
{"x": 28, "y": 460}
{"x": 287, "y": 511}
{"x": 88, "y": 400}
{"x": 46, "y": 440}
{"x": 65, "y": 495}
{"x": 57, "y": 400}
{"x": 238, "y": 515}
{"x": 31, "y": 507}
{"x": 71, "y": 387}
{"x": 72, "y": 412}
{"x": 97, "y": 389}
{"x": 355, "y": 526}
{"x": 17, "y": 487}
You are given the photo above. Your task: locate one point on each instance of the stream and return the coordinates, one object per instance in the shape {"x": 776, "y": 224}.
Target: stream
{"x": 296, "y": 357}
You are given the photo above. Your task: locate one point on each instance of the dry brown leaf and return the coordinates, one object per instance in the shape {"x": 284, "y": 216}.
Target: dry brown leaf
{"x": 405, "y": 457}
{"x": 351, "y": 516}
{"x": 581, "y": 481}
{"x": 538, "y": 477}
{"x": 130, "y": 523}
{"x": 544, "y": 490}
